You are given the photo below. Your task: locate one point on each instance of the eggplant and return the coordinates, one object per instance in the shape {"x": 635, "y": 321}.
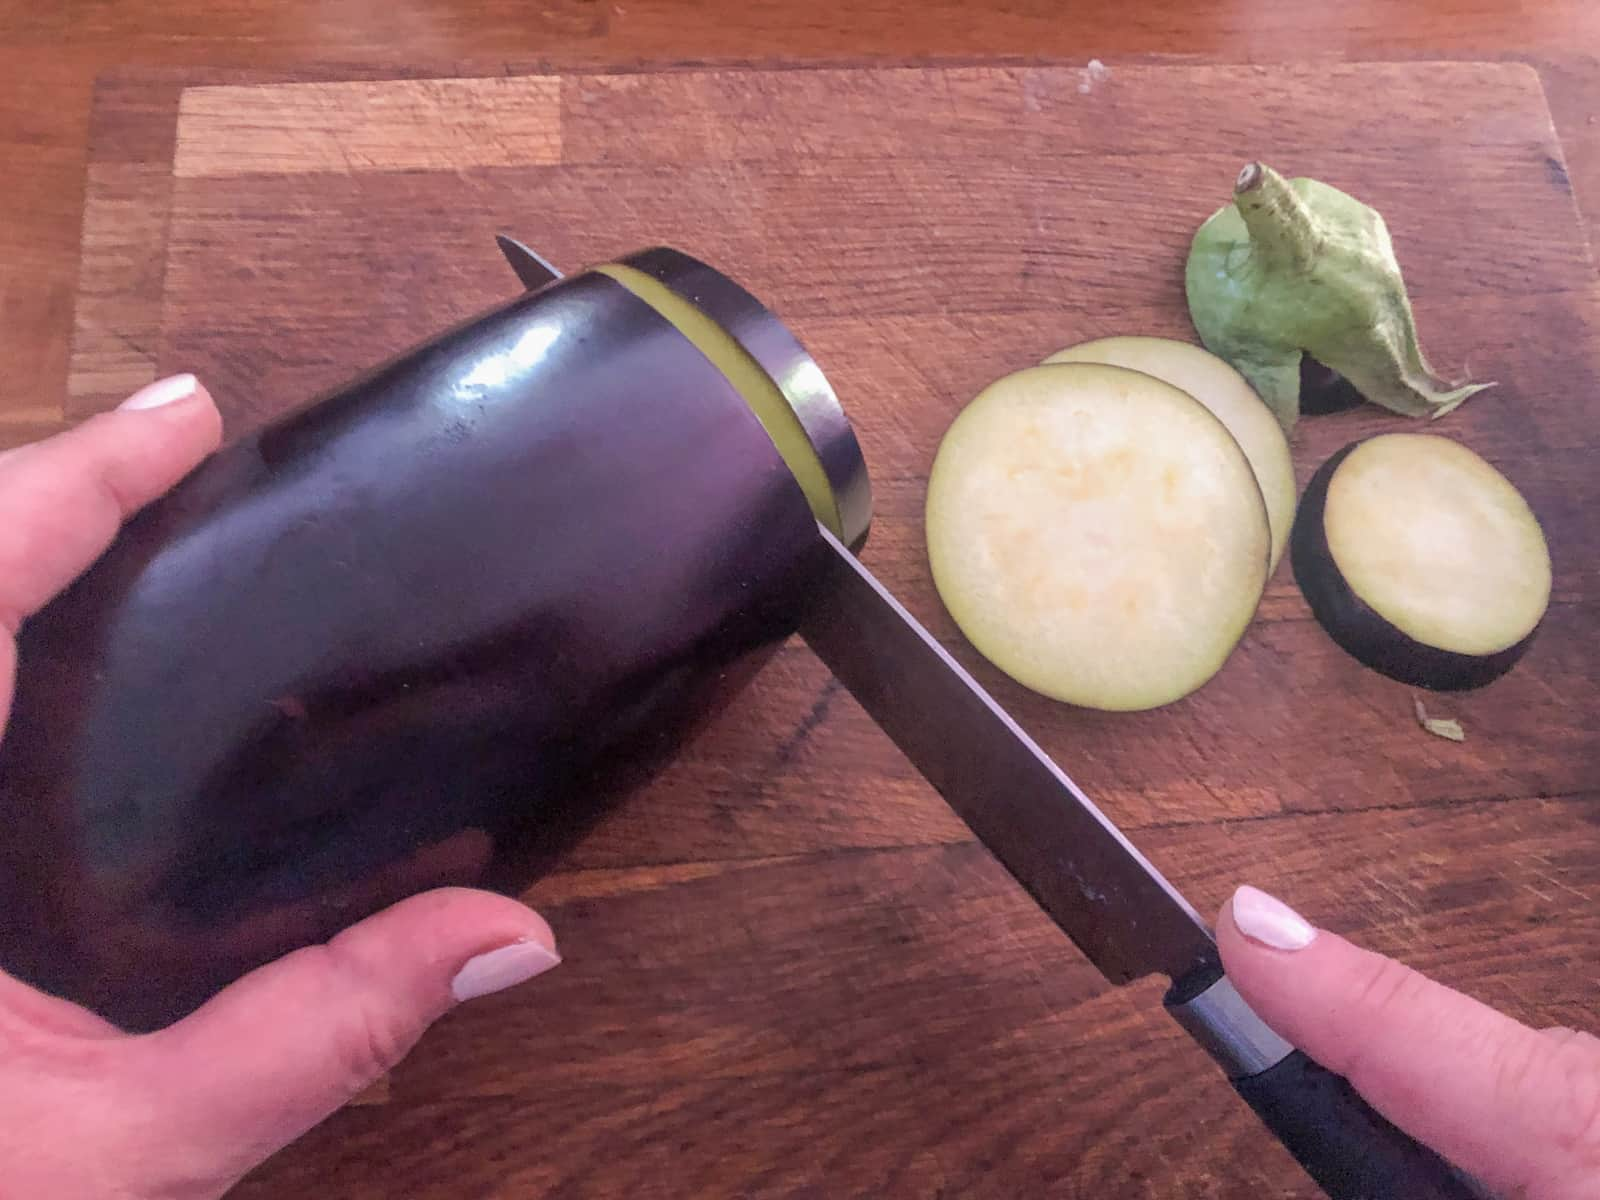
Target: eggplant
{"x": 1422, "y": 561}
{"x": 1097, "y": 534}
{"x": 420, "y": 632}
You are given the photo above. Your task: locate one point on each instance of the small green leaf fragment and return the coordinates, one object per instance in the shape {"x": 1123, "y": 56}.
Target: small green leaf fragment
{"x": 1445, "y": 727}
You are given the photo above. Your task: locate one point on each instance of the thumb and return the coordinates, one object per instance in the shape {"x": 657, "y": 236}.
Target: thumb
{"x": 1515, "y": 1107}
{"x": 276, "y": 1052}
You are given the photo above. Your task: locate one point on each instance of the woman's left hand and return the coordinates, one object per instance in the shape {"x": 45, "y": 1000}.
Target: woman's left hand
{"x": 89, "y": 1111}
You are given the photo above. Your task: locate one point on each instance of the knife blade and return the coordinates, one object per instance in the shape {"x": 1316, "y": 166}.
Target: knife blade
{"x": 1106, "y": 896}
{"x": 530, "y": 266}
{"x": 1095, "y": 885}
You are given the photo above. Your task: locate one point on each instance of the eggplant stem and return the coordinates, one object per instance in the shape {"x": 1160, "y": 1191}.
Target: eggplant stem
{"x": 1280, "y": 224}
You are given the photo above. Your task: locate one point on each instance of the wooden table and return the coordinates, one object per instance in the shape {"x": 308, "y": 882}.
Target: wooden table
{"x": 756, "y": 1046}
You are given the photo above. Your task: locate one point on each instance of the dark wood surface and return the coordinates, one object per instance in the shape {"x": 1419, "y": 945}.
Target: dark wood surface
{"x": 789, "y": 970}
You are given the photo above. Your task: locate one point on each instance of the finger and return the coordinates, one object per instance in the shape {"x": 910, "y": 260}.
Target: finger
{"x": 27, "y": 1014}
{"x": 279, "y": 1050}
{"x": 63, "y": 499}
{"x": 1561, "y": 1035}
{"x": 1517, "y": 1109}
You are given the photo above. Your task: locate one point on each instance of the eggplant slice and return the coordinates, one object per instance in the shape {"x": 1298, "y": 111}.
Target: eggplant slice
{"x": 1097, "y": 534}
{"x": 1422, "y": 561}
{"x": 1231, "y": 399}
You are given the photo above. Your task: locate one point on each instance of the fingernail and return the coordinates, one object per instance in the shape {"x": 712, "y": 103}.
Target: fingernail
{"x": 162, "y": 391}
{"x": 499, "y": 969}
{"x": 1268, "y": 920}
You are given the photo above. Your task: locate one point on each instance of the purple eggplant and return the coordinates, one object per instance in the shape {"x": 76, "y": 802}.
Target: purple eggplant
{"x": 417, "y": 633}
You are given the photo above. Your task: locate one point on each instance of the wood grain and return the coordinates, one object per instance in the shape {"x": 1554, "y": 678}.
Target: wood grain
{"x": 789, "y": 970}
{"x": 118, "y": 324}
{"x": 1033, "y": 114}
{"x": 394, "y": 125}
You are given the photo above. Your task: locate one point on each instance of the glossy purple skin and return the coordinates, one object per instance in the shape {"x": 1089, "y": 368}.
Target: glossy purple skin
{"x": 419, "y": 633}
{"x": 1357, "y": 627}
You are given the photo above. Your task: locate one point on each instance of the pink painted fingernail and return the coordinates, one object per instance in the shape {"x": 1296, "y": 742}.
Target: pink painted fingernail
{"x": 499, "y": 969}
{"x": 1268, "y": 920}
{"x": 162, "y": 391}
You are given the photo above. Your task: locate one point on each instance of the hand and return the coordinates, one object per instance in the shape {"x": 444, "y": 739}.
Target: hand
{"x": 88, "y": 1111}
{"x": 1517, "y": 1108}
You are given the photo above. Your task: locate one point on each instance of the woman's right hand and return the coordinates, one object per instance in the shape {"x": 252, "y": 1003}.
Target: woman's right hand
{"x": 1517, "y": 1108}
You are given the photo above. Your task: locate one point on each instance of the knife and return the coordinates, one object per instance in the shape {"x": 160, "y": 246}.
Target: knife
{"x": 1091, "y": 880}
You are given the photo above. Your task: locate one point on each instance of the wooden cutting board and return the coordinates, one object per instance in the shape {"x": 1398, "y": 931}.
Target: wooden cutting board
{"x": 789, "y": 971}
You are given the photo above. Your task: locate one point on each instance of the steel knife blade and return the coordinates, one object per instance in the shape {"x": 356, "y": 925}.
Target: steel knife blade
{"x": 530, "y": 266}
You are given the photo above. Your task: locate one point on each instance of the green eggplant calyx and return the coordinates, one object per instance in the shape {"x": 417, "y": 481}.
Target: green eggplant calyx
{"x": 1295, "y": 267}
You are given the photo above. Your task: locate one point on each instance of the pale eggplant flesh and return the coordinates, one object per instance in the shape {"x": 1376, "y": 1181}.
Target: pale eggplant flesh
{"x": 1228, "y": 396}
{"x": 1097, "y": 534}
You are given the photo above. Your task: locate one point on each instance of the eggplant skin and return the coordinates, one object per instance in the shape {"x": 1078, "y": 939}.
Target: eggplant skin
{"x": 1323, "y": 391}
{"x": 1358, "y": 629}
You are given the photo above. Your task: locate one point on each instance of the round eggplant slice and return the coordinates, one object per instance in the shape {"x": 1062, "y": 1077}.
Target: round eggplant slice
{"x": 1421, "y": 560}
{"x": 1231, "y": 400}
{"x": 1097, "y": 534}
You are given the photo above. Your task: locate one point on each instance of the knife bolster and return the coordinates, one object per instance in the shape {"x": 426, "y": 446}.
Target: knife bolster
{"x": 1229, "y": 1030}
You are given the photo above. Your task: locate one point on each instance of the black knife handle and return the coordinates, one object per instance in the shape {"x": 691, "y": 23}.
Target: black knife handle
{"x": 1343, "y": 1142}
